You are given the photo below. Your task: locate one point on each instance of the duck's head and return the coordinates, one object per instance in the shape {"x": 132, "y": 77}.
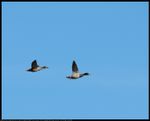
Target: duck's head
{"x": 44, "y": 67}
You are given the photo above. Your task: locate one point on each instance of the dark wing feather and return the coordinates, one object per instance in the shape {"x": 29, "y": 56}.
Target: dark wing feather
{"x": 74, "y": 67}
{"x": 34, "y": 64}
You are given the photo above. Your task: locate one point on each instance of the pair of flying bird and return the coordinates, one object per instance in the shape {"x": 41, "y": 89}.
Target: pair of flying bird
{"x": 75, "y": 71}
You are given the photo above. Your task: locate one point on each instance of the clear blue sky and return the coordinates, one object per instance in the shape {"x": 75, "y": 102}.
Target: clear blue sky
{"x": 107, "y": 39}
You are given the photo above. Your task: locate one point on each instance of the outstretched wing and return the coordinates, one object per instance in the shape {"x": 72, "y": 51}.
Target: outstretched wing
{"x": 34, "y": 64}
{"x": 74, "y": 67}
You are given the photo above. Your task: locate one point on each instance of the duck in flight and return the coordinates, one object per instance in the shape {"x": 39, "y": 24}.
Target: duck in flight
{"x": 75, "y": 72}
{"x": 35, "y": 67}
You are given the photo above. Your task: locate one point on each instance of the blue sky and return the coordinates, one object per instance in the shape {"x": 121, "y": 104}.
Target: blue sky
{"x": 107, "y": 39}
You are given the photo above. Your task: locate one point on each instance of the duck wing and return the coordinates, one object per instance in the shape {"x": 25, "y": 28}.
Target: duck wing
{"x": 74, "y": 67}
{"x": 34, "y": 64}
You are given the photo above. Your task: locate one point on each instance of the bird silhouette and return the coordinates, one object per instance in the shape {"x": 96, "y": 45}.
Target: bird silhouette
{"x": 75, "y": 72}
{"x": 35, "y": 67}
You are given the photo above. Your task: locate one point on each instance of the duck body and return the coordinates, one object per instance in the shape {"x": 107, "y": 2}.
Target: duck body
{"x": 77, "y": 75}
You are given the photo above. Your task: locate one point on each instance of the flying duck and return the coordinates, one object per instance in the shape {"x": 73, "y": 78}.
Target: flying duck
{"x": 35, "y": 67}
{"x": 75, "y": 72}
